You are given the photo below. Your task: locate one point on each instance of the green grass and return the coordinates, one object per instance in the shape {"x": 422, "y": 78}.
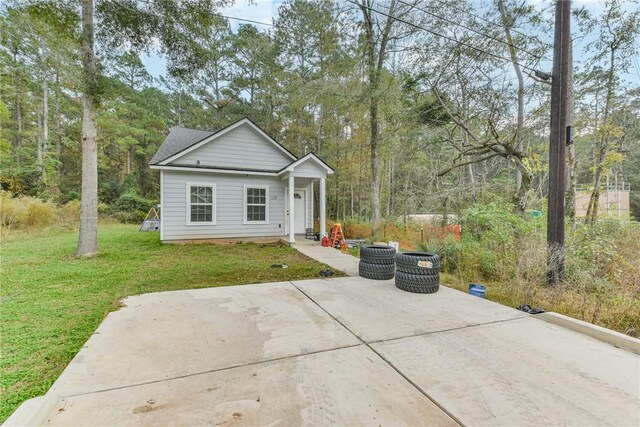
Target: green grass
{"x": 51, "y": 302}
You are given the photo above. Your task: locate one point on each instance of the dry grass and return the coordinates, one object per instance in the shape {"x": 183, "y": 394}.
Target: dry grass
{"x": 508, "y": 254}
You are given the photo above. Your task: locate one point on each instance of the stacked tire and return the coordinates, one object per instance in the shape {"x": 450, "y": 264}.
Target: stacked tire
{"x": 377, "y": 262}
{"x": 418, "y": 272}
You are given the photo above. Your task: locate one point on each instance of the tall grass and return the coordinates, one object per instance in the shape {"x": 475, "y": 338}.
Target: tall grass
{"x": 508, "y": 253}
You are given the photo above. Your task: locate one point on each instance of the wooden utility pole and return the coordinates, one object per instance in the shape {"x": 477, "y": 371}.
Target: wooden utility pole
{"x": 558, "y": 143}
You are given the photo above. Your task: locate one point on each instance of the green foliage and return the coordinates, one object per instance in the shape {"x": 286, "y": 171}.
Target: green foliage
{"x": 131, "y": 207}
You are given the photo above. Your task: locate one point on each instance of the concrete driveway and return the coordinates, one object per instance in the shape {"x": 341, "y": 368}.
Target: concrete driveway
{"x": 346, "y": 351}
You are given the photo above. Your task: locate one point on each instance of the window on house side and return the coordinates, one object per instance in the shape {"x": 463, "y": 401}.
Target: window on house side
{"x": 256, "y": 205}
{"x": 201, "y": 204}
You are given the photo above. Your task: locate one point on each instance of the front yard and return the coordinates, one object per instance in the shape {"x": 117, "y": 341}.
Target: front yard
{"x": 51, "y": 302}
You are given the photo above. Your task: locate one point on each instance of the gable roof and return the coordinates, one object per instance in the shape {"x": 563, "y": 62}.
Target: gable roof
{"x": 303, "y": 159}
{"x": 181, "y": 141}
{"x": 178, "y": 139}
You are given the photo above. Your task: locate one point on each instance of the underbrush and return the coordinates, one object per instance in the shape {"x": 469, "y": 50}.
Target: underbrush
{"x": 508, "y": 253}
{"x": 29, "y": 216}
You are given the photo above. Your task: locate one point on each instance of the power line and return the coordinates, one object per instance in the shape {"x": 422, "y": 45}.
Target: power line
{"x": 535, "y": 55}
{"x": 216, "y": 14}
{"x": 411, "y": 24}
{"x": 492, "y": 22}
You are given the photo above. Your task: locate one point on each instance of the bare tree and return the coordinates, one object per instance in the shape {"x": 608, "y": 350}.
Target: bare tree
{"x": 617, "y": 43}
{"x": 378, "y": 27}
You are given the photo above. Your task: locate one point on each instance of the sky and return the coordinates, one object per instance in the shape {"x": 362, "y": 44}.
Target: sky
{"x": 267, "y": 10}
{"x": 256, "y": 10}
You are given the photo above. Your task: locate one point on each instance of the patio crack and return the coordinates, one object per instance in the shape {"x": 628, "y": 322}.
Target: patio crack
{"x": 210, "y": 371}
{"x": 398, "y": 371}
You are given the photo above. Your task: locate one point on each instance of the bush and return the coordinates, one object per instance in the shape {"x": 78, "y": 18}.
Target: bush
{"x": 12, "y": 211}
{"x": 39, "y": 214}
{"x": 70, "y": 212}
{"x": 25, "y": 212}
{"x": 131, "y": 207}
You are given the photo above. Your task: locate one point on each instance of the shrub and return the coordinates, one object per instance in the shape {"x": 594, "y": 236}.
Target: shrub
{"x": 130, "y": 201}
{"x": 131, "y": 207}
{"x": 70, "y": 212}
{"x": 12, "y": 211}
{"x": 25, "y": 212}
{"x": 39, "y": 214}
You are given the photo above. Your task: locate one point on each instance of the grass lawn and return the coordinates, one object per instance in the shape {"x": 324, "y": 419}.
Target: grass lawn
{"x": 51, "y": 302}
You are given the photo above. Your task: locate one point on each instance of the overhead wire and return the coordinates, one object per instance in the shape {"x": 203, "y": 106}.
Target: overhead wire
{"x": 214, "y": 13}
{"x": 419, "y": 27}
{"x": 492, "y": 22}
{"x": 489, "y": 36}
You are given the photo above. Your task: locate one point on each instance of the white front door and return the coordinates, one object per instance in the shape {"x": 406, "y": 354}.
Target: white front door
{"x": 300, "y": 214}
{"x": 300, "y": 211}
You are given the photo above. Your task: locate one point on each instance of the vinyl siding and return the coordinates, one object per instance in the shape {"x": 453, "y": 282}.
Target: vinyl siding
{"x": 309, "y": 169}
{"x": 229, "y": 208}
{"x": 241, "y": 148}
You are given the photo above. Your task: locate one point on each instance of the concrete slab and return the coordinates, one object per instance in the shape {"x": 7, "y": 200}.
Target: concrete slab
{"x": 347, "y": 387}
{"x": 522, "y": 372}
{"x": 289, "y": 354}
{"x": 376, "y": 310}
{"x": 598, "y": 332}
{"x": 171, "y": 334}
{"x": 330, "y": 256}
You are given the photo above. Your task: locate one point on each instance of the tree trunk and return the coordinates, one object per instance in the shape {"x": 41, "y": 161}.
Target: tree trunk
{"x": 18, "y": 143}
{"x": 58, "y": 119}
{"x": 572, "y": 161}
{"x": 375, "y": 52}
{"x": 603, "y": 149}
{"x": 518, "y": 194}
{"x": 88, "y": 240}
{"x": 45, "y": 126}
{"x": 39, "y": 141}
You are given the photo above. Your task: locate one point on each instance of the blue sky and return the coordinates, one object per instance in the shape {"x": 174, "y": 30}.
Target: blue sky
{"x": 266, "y": 10}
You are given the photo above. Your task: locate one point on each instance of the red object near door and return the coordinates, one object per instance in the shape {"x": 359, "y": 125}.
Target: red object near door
{"x": 325, "y": 241}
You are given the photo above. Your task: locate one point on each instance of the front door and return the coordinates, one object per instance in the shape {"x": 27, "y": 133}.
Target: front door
{"x": 300, "y": 211}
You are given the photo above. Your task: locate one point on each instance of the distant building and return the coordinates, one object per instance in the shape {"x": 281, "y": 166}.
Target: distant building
{"x": 613, "y": 203}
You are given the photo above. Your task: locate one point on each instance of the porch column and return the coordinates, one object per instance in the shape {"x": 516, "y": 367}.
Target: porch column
{"x": 292, "y": 238}
{"x": 323, "y": 208}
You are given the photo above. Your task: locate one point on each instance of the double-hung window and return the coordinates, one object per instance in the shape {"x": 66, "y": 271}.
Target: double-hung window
{"x": 201, "y": 204}
{"x": 256, "y": 204}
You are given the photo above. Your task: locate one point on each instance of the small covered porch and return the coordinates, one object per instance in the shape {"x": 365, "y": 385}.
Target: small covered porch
{"x": 300, "y": 178}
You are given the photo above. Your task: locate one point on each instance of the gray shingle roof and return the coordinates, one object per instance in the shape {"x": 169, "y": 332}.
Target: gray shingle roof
{"x": 179, "y": 139}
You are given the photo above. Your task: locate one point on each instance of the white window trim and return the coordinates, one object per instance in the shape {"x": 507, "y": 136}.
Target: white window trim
{"x": 244, "y": 203}
{"x": 214, "y": 202}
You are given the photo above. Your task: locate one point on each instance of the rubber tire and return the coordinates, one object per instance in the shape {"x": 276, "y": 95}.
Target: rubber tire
{"x": 418, "y": 279}
{"x": 376, "y": 271}
{"x": 419, "y": 271}
{"x": 418, "y": 284}
{"x": 376, "y": 268}
{"x": 378, "y": 254}
{"x": 410, "y": 260}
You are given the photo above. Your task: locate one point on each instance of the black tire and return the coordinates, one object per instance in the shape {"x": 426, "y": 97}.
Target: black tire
{"x": 378, "y": 254}
{"x": 418, "y": 279}
{"x": 376, "y": 271}
{"x": 413, "y": 261}
{"x": 376, "y": 276}
{"x": 420, "y": 271}
{"x": 419, "y": 284}
{"x": 376, "y": 268}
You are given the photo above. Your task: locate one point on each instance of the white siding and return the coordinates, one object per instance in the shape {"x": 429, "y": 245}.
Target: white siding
{"x": 229, "y": 209}
{"x": 310, "y": 169}
{"x": 241, "y": 148}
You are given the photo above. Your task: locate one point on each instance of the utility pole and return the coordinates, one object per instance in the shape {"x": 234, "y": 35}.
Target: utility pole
{"x": 558, "y": 142}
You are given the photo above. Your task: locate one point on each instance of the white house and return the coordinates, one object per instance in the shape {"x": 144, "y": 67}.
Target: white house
{"x": 236, "y": 182}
